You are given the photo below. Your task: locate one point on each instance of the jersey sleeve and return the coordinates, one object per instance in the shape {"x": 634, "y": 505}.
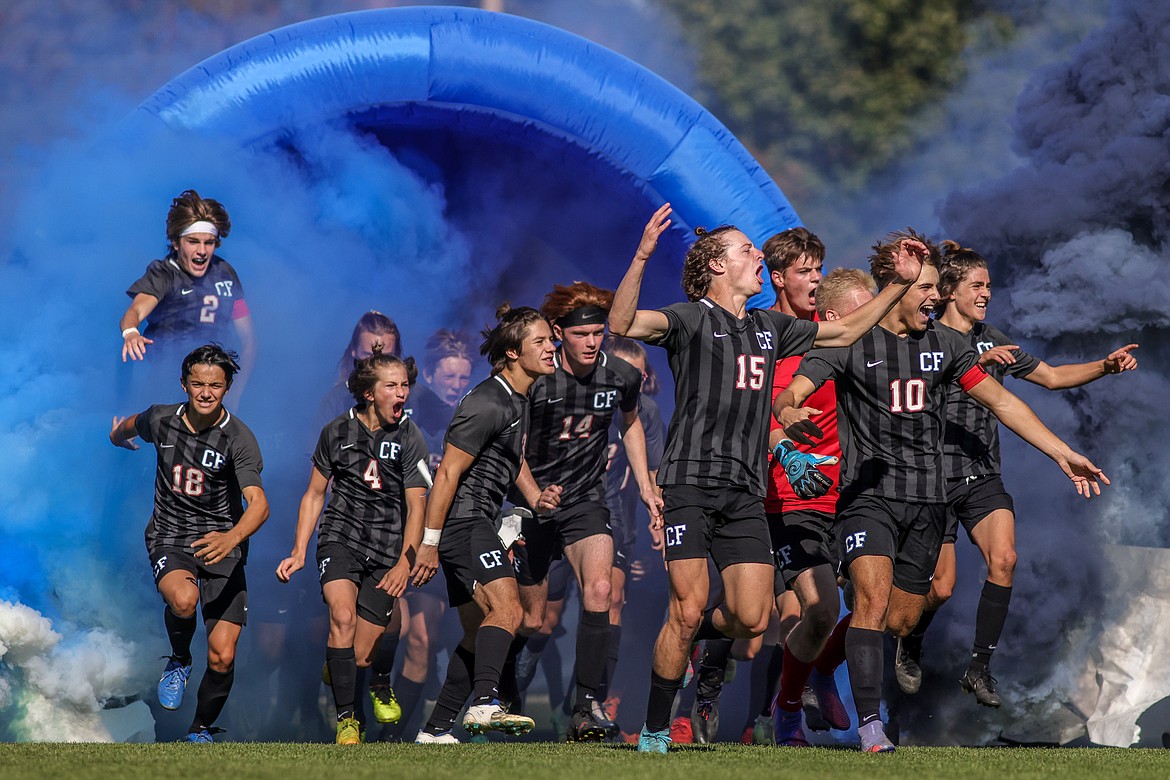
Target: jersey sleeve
{"x": 246, "y": 459}
{"x": 474, "y": 425}
{"x": 683, "y": 319}
{"x": 821, "y": 365}
{"x": 144, "y": 424}
{"x": 632, "y": 379}
{"x": 795, "y": 336}
{"x": 1025, "y": 363}
{"x": 157, "y": 281}
{"x": 321, "y": 456}
{"x": 239, "y": 302}
{"x": 415, "y": 473}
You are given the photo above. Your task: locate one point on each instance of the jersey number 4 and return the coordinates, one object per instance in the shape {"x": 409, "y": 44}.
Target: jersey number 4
{"x": 371, "y": 476}
{"x": 750, "y": 372}
{"x": 581, "y": 430}
{"x": 908, "y": 397}
{"x": 187, "y": 480}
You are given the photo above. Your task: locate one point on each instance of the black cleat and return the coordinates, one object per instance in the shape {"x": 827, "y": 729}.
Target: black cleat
{"x": 982, "y": 684}
{"x": 908, "y": 665}
{"x": 586, "y": 727}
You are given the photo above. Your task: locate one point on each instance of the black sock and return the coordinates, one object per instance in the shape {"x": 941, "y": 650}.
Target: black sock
{"x": 180, "y": 631}
{"x": 989, "y": 620}
{"x": 760, "y": 694}
{"x": 712, "y": 668}
{"x": 384, "y": 660}
{"x": 707, "y": 628}
{"x": 491, "y": 651}
{"x": 360, "y": 694}
{"x": 775, "y": 669}
{"x": 509, "y": 684}
{"x": 533, "y": 648}
{"x": 213, "y": 693}
{"x": 914, "y": 638}
{"x": 864, "y": 654}
{"x": 661, "y": 701}
{"x": 592, "y": 655}
{"x": 342, "y": 674}
{"x": 409, "y": 694}
{"x": 453, "y": 695}
{"x": 615, "y": 645}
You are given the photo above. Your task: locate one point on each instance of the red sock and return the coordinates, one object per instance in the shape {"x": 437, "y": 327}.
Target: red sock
{"x": 793, "y": 677}
{"x": 834, "y": 653}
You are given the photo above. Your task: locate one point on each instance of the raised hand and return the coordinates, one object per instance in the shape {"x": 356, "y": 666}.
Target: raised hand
{"x": 801, "y": 469}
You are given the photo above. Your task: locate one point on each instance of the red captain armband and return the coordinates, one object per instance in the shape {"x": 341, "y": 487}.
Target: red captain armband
{"x": 975, "y": 374}
{"x": 240, "y": 309}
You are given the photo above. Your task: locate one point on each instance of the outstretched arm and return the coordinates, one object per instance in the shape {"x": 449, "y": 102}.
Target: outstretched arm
{"x": 1077, "y": 374}
{"x": 1020, "y": 418}
{"x": 848, "y": 329}
{"x": 133, "y": 342}
{"x": 625, "y": 319}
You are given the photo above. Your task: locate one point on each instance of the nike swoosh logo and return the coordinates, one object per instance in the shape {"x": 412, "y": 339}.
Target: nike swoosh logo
{"x": 165, "y": 446}
{"x": 513, "y": 425}
{"x": 874, "y": 363}
{"x": 556, "y": 400}
{"x": 589, "y": 316}
{"x": 186, "y": 292}
{"x": 347, "y": 446}
{"x": 721, "y": 335}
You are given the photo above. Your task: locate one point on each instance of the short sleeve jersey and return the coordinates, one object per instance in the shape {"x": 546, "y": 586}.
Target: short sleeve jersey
{"x": 620, "y": 487}
{"x": 781, "y": 497}
{"x": 199, "y": 477}
{"x": 723, "y": 373}
{"x": 491, "y": 423}
{"x": 891, "y": 406}
{"x": 191, "y": 309}
{"x": 570, "y": 421}
{"x": 971, "y": 441}
{"x": 371, "y": 471}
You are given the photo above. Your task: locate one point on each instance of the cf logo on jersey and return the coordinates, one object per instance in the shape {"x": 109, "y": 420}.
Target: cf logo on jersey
{"x": 159, "y": 565}
{"x": 855, "y": 541}
{"x": 785, "y": 554}
{"x": 674, "y": 534}
{"x": 983, "y": 346}
{"x": 764, "y": 339}
{"x": 929, "y": 361}
{"x": 224, "y": 288}
{"x": 491, "y": 559}
{"x": 604, "y": 399}
{"x": 324, "y": 564}
{"x": 212, "y": 460}
{"x": 388, "y": 450}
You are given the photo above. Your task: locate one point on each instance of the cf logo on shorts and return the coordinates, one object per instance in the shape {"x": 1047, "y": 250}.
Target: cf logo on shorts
{"x": 159, "y": 565}
{"x": 785, "y": 554}
{"x": 855, "y": 541}
{"x": 491, "y": 559}
{"x": 322, "y": 565}
{"x": 674, "y": 534}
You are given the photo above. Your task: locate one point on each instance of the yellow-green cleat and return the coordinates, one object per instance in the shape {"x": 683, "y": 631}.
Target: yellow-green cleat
{"x": 349, "y": 732}
{"x": 386, "y": 707}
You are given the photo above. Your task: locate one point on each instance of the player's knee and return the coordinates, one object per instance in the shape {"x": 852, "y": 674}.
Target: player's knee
{"x": 184, "y": 603}
{"x": 597, "y": 596}
{"x": 221, "y": 658}
{"x": 821, "y": 618}
{"x": 1003, "y": 563}
{"x": 510, "y": 617}
{"x": 687, "y": 616}
{"x": 753, "y": 622}
{"x": 343, "y": 621}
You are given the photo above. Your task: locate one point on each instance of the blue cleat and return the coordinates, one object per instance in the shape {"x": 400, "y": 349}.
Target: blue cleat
{"x": 172, "y": 684}
{"x": 654, "y": 741}
{"x": 200, "y": 737}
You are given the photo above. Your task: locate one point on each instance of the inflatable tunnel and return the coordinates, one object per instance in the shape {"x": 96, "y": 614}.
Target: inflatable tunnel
{"x": 579, "y": 144}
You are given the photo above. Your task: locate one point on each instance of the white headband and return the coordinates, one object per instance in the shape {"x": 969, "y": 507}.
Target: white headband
{"x": 200, "y": 227}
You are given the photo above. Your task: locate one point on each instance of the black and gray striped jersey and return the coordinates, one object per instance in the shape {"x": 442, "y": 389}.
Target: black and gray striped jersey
{"x": 491, "y": 423}
{"x": 570, "y": 421}
{"x": 371, "y": 471}
{"x": 971, "y": 441}
{"x": 621, "y": 490}
{"x": 891, "y": 408}
{"x": 723, "y": 372}
{"x": 199, "y": 477}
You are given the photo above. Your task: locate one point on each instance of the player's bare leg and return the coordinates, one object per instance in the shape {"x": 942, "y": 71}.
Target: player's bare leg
{"x": 592, "y": 561}
{"x": 995, "y": 536}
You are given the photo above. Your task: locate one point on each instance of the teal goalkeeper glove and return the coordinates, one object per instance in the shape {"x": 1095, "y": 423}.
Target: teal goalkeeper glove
{"x": 801, "y": 469}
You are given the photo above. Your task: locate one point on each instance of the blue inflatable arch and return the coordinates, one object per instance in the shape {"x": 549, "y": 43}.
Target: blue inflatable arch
{"x": 459, "y": 90}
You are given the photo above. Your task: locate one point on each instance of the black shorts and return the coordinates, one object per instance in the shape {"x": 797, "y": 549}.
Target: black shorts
{"x": 625, "y": 536}
{"x": 335, "y": 561}
{"x": 545, "y": 538}
{"x": 972, "y": 499}
{"x": 724, "y": 522}
{"x": 908, "y": 534}
{"x": 223, "y": 588}
{"x": 471, "y": 554}
{"x": 801, "y": 540}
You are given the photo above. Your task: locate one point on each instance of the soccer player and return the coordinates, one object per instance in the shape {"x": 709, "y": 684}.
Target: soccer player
{"x": 376, "y": 460}
{"x": 373, "y": 330}
{"x": 571, "y": 410}
{"x": 713, "y": 468}
{"x": 208, "y": 466}
{"x": 483, "y": 456}
{"x": 891, "y": 398}
{"x": 191, "y": 295}
{"x": 976, "y": 497}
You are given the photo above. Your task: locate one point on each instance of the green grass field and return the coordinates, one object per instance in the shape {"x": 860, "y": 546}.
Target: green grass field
{"x": 497, "y": 761}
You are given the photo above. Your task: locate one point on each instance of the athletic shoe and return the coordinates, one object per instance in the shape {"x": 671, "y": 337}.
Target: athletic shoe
{"x": 705, "y": 720}
{"x": 427, "y": 738}
{"x": 481, "y": 718}
{"x": 584, "y": 727}
{"x": 763, "y": 731}
{"x": 386, "y": 707}
{"x": 830, "y": 708}
{"x": 812, "y": 710}
{"x": 172, "y": 684}
{"x": 789, "y": 731}
{"x": 908, "y": 665}
{"x": 680, "y": 731}
{"x": 200, "y": 737}
{"x": 603, "y": 714}
{"x": 746, "y": 737}
{"x": 349, "y": 732}
{"x": 982, "y": 684}
{"x": 874, "y": 739}
{"x": 654, "y": 741}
